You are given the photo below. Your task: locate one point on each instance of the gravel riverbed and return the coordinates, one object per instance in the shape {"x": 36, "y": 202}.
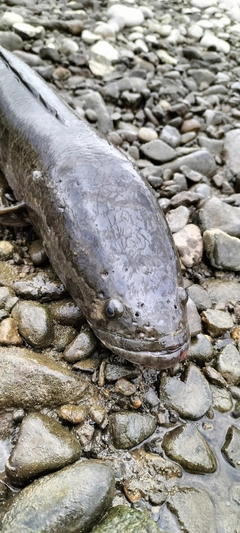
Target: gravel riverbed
{"x": 83, "y": 432}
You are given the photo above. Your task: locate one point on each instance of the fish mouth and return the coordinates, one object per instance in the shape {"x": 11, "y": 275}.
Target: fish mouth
{"x": 158, "y": 355}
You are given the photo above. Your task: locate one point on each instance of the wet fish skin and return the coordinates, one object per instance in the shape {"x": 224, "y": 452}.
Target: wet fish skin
{"x": 100, "y": 223}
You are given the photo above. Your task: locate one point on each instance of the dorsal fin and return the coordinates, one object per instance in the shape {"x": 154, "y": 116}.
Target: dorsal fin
{"x": 35, "y": 93}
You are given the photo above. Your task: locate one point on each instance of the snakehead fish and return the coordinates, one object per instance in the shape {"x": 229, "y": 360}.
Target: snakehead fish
{"x": 99, "y": 221}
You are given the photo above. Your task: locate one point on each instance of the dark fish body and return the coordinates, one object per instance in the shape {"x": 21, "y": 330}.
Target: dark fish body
{"x": 99, "y": 221}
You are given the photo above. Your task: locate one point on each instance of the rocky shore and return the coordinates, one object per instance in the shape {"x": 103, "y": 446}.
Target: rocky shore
{"x": 84, "y": 433}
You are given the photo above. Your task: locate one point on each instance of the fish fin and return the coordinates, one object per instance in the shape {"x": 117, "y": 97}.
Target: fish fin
{"x": 12, "y": 208}
{"x": 12, "y": 216}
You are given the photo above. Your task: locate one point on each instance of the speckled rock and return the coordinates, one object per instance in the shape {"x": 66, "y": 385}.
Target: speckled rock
{"x": 129, "y": 429}
{"x": 216, "y": 214}
{"x": 187, "y": 446}
{"x": 228, "y": 364}
{"x": 9, "y": 333}
{"x": 216, "y": 322}
{"x": 189, "y": 245}
{"x": 124, "y": 519}
{"x": 222, "y": 250}
{"x": 200, "y": 297}
{"x": 49, "y": 384}
{"x": 44, "y": 285}
{"x": 231, "y": 447}
{"x": 35, "y": 323}
{"x": 82, "y": 346}
{"x": 200, "y": 350}
{"x": 221, "y": 399}
{"x": 185, "y": 503}
{"x": 178, "y": 218}
{"x": 78, "y": 494}
{"x": 43, "y": 445}
{"x": 191, "y": 398}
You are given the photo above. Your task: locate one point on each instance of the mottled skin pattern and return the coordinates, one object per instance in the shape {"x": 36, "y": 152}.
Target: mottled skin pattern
{"x": 99, "y": 221}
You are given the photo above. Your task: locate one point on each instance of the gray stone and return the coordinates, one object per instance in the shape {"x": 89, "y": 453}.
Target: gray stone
{"x": 189, "y": 244}
{"x": 29, "y": 379}
{"x": 222, "y": 250}
{"x": 200, "y": 297}
{"x": 171, "y": 136}
{"x": 232, "y": 154}
{"x": 228, "y": 364}
{"x": 129, "y": 429}
{"x": 193, "y": 509}
{"x": 200, "y": 350}
{"x": 190, "y": 397}
{"x": 123, "y": 518}
{"x": 43, "y": 445}
{"x": 214, "y": 146}
{"x": 222, "y": 290}
{"x": 201, "y": 161}
{"x": 231, "y": 447}
{"x": 66, "y": 312}
{"x": 178, "y": 218}
{"x": 201, "y": 76}
{"x": 10, "y": 40}
{"x": 215, "y": 214}
{"x": 44, "y": 285}
{"x": 221, "y": 399}
{"x": 158, "y": 151}
{"x": 35, "y": 323}
{"x": 93, "y": 100}
{"x": 186, "y": 445}
{"x": 216, "y": 322}
{"x": 193, "y": 318}
{"x": 82, "y": 346}
{"x": 78, "y": 494}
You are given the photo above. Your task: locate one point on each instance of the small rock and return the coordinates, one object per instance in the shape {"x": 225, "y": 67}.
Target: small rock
{"x": 10, "y": 40}
{"x": 221, "y": 399}
{"x": 201, "y": 161}
{"x": 193, "y": 318}
{"x": 185, "y": 503}
{"x": 215, "y": 214}
{"x": 6, "y": 250}
{"x": 209, "y": 40}
{"x": 191, "y": 398}
{"x": 105, "y": 49}
{"x": 216, "y": 322}
{"x": 9, "y": 333}
{"x": 26, "y": 31}
{"x": 74, "y": 414}
{"x": 131, "y": 16}
{"x": 200, "y": 350}
{"x": 28, "y": 460}
{"x": 200, "y": 297}
{"x": 129, "y": 429}
{"x": 43, "y": 285}
{"x": 147, "y": 134}
{"x": 9, "y": 18}
{"x": 66, "y": 312}
{"x": 228, "y": 364}
{"x": 124, "y": 387}
{"x": 189, "y": 245}
{"x": 123, "y": 518}
{"x": 35, "y": 323}
{"x": 158, "y": 151}
{"x": 171, "y": 136}
{"x": 68, "y": 46}
{"x": 231, "y": 447}
{"x": 187, "y": 446}
{"x": 82, "y": 346}
{"x": 178, "y": 218}
{"x": 222, "y": 250}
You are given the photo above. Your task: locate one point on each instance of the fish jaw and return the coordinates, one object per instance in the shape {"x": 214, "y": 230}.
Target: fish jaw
{"x": 156, "y": 359}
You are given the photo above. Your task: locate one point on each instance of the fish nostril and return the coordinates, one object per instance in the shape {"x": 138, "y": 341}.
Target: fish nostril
{"x": 137, "y": 314}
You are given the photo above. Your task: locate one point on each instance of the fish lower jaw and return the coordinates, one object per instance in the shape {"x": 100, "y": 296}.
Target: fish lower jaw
{"x": 156, "y": 360}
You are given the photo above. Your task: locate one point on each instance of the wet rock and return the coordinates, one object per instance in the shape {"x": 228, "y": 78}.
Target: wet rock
{"x": 129, "y": 429}
{"x": 193, "y": 318}
{"x": 63, "y": 335}
{"x": 66, "y": 312}
{"x": 200, "y": 297}
{"x": 82, "y": 346}
{"x": 158, "y": 151}
{"x": 201, "y": 161}
{"x": 222, "y": 250}
{"x": 178, "y": 218}
{"x": 216, "y": 322}
{"x": 6, "y": 250}
{"x": 35, "y": 323}
{"x": 185, "y": 503}
{"x": 221, "y": 399}
{"x": 231, "y": 447}
{"x": 189, "y": 244}
{"x": 214, "y": 376}
{"x": 191, "y": 398}
{"x": 228, "y": 364}
{"x": 98, "y": 414}
{"x": 75, "y": 414}
{"x": 200, "y": 350}
{"x": 123, "y": 519}
{"x": 124, "y": 387}
{"x": 43, "y": 445}
{"x": 29, "y": 379}
{"x": 78, "y": 494}
{"x": 216, "y": 214}
{"x": 40, "y": 286}
{"x": 115, "y": 372}
{"x": 187, "y": 446}
{"x": 87, "y": 365}
{"x": 9, "y": 333}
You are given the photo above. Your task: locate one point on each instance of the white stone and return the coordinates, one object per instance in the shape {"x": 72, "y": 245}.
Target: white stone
{"x": 203, "y": 4}
{"x": 132, "y": 16}
{"x": 195, "y": 31}
{"x": 209, "y": 39}
{"x": 100, "y": 69}
{"x": 30, "y": 31}
{"x": 10, "y": 18}
{"x": 235, "y": 29}
{"x": 139, "y": 43}
{"x": 165, "y": 57}
{"x": 105, "y": 49}
{"x": 105, "y": 30}
{"x": 68, "y": 46}
{"x": 89, "y": 37}
{"x": 206, "y": 24}
{"x": 175, "y": 37}
{"x": 147, "y": 134}
{"x": 165, "y": 30}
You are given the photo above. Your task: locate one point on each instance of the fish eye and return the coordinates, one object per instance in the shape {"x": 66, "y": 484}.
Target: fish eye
{"x": 183, "y": 296}
{"x": 113, "y": 308}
